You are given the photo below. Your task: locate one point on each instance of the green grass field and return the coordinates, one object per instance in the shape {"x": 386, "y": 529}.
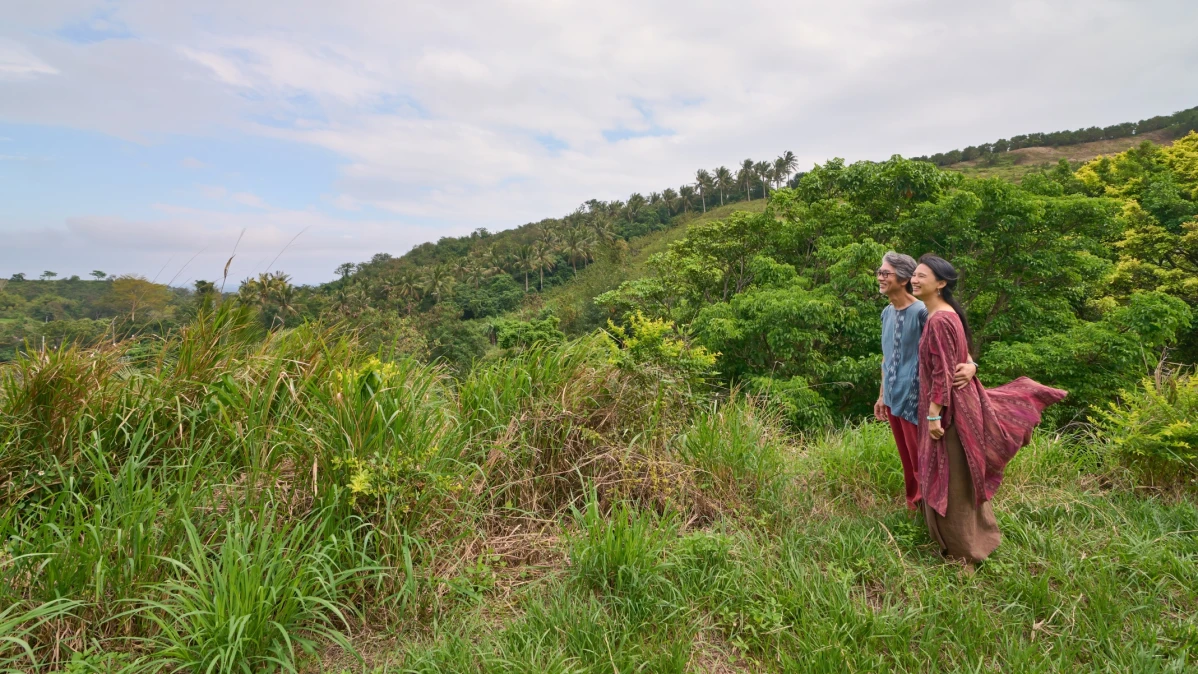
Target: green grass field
{"x": 829, "y": 574}
{"x": 224, "y": 500}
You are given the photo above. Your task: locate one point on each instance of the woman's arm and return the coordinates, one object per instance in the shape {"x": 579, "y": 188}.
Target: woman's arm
{"x": 934, "y": 428}
{"x": 943, "y": 350}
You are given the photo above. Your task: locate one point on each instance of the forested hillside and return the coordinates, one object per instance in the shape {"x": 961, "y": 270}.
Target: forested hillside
{"x": 636, "y": 438}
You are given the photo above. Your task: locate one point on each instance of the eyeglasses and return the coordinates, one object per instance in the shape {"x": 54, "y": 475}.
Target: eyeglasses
{"x": 883, "y": 273}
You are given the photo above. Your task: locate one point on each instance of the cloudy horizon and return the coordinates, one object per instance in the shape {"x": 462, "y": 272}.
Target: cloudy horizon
{"x": 145, "y": 137}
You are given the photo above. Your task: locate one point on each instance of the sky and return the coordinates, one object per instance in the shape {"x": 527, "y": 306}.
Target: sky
{"x": 161, "y": 137}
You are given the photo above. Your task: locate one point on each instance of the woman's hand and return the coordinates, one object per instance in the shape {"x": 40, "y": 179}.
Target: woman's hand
{"x": 935, "y": 430}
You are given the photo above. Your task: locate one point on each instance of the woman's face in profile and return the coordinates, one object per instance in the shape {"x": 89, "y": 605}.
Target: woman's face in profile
{"x": 924, "y": 283}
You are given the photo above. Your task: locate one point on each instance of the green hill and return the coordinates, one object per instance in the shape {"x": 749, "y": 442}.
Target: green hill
{"x": 414, "y": 468}
{"x": 1015, "y": 164}
{"x": 573, "y": 302}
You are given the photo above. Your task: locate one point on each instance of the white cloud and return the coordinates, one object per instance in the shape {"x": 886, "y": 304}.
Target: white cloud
{"x": 192, "y": 163}
{"x": 249, "y": 199}
{"x": 481, "y": 113}
{"x": 18, "y": 63}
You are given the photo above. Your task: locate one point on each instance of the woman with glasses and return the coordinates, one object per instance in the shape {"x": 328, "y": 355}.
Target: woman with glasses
{"x": 966, "y": 435}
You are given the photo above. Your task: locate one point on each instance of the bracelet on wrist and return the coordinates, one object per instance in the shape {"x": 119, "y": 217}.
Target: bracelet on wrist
{"x": 936, "y": 418}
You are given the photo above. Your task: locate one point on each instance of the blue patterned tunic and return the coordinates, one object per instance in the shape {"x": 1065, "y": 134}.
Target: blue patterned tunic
{"x": 901, "y": 330}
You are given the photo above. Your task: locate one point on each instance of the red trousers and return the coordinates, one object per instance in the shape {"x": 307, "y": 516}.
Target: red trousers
{"x": 905, "y": 436}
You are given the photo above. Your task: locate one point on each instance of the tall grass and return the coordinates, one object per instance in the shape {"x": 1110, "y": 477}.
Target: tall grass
{"x": 268, "y": 591}
{"x": 226, "y": 499}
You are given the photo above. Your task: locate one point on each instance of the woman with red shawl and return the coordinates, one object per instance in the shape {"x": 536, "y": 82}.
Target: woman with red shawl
{"x": 966, "y": 435}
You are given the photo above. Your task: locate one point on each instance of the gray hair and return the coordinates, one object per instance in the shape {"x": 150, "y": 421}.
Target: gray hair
{"x": 904, "y": 265}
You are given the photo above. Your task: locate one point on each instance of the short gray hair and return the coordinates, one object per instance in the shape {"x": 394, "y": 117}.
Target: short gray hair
{"x": 904, "y": 265}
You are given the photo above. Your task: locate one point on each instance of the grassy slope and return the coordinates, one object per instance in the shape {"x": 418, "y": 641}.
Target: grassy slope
{"x": 1018, "y": 163}
{"x": 748, "y": 551}
{"x": 819, "y": 570}
{"x": 832, "y": 576}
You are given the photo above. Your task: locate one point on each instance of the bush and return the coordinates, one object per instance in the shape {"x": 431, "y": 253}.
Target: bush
{"x": 1155, "y": 428}
{"x": 511, "y": 333}
{"x": 653, "y": 344}
{"x": 795, "y": 400}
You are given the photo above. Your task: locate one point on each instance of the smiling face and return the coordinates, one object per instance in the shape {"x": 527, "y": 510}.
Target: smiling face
{"x": 888, "y": 281}
{"x": 924, "y": 283}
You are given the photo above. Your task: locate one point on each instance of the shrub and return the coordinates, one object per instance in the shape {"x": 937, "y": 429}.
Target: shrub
{"x": 795, "y": 400}
{"x": 511, "y": 333}
{"x": 656, "y": 344}
{"x": 1156, "y": 426}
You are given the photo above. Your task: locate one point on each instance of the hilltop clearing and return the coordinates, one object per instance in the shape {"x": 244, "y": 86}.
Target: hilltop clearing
{"x": 1015, "y": 164}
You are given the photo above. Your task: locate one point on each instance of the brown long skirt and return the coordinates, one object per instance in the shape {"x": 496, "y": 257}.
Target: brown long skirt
{"x": 966, "y": 532}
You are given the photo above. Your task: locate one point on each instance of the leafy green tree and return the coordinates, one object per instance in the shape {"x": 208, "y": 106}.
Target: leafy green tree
{"x": 18, "y": 277}
{"x": 345, "y": 269}
{"x": 493, "y": 297}
{"x": 98, "y": 275}
{"x": 47, "y": 275}
{"x": 135, "y": 295}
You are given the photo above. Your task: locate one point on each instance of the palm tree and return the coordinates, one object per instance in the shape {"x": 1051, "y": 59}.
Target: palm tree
{"x": 543, "y": 256}
{"x": 615, "y": 209}
{"x": 670, "y": 198}
{"x": 789, "y": 163}
{"x": 654, "y": 198}
{"x": 745, "y": 177}
{"x": 438, "y": 281}
{"x": 459, "y": 266}
{"x": 636, "y": 202}
{"x": 493, "y": 261}
{"x": 524, "y": 262}
{"x": 687, "y": 194}
{"x": 703, "y": 181}
{"x": 576, "y": 245}
{"x": 284, "y": 302}
{"x": 764, "y": 171}
{"x": 601, "y": 231}
{"x": 780, "y": 171}
{"x": 724, "y": 181}
{"x": 407, "y": 287}
{"x": 348, "y": 300}
{"x": 475, "y": 273}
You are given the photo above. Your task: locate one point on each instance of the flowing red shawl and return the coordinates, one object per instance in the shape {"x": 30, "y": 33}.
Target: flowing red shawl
{"x": 993, "y": 424}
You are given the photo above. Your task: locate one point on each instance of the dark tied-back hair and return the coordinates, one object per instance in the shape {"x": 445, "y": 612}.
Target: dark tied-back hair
{"x": 943, "y": 271}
